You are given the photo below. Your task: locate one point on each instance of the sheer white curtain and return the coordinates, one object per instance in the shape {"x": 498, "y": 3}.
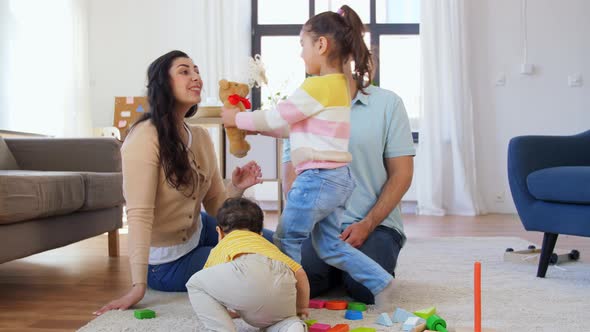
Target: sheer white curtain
{"x": 44, "y": 61}
{"x": 446, "y": 173}
{"x": 223, "y": 31}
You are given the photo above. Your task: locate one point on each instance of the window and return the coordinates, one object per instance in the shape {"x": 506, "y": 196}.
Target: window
{"x": 393, "y": 33}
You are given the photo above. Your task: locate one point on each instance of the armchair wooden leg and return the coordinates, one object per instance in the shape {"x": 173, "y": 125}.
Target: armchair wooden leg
{"x": 114, "y": 243}
{"x": 549, "y": 240}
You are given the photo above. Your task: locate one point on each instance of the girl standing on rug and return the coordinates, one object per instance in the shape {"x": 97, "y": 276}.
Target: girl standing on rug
{"x": 316, "y": 118}
{"x": 249, "y": 275}
{"x": 169, "y": 170}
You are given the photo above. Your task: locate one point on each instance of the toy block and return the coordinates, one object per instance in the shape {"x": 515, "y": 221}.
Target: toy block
{"x": 363, "y": 329}
{"x": 310, "y": 322}
{"x": 358, "y": 306}
{"x": 400, "y": 315}
{"x": 411, "y": 323}
{"x": 477, "y": 298}
{"x": 336, "y": 305}
{"x": 319, "y": 327}
{"x": 144, "y": 314}
{"x": 353, "y": 315}
{"x": 436, "y": 323}
{"x": 340, "y": 328}
{"x": 384, "y": 320}
{"x": 317, "y": 304}
{"x": 419, "y": 328}
{"x": 425, "y": 313}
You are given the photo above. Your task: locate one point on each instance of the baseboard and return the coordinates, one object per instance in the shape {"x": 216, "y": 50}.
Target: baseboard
{"x": 409, "y": 207}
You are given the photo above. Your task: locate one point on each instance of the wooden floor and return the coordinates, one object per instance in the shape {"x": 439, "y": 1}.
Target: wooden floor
{"x": 58, "y": 290}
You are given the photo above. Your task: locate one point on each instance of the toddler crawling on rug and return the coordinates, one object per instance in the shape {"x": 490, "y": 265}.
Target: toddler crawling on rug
{"x": 249, "y": 275}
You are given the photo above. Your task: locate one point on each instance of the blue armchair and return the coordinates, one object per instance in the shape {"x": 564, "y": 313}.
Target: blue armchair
{"x": 550, "y": 183}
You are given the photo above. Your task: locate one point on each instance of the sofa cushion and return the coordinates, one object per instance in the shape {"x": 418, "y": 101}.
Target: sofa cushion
{"x": 103, "y": 190}
{"x": 27, "y": 195}
{"x": 566, "y": 184}
{"x": 7, "y": 160}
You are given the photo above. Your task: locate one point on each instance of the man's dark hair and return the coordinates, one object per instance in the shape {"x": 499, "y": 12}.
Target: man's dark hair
{"x": 240, "y": 213}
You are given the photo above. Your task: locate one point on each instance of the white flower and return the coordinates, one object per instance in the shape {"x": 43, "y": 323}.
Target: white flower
{"x": 257, "y": 73}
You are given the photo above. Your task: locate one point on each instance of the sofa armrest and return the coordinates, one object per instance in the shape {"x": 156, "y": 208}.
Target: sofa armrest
{"x": 527, "y": 154}
{"x": 67, "y": 154}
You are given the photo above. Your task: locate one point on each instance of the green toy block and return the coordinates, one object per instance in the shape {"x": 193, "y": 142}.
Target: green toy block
{"x": 435, "y": 323}
{"x": 425, "y": 313}
{"x": 310, "y": 322}
{"x": 144, "y": 314}
{"x": 363, "y": 329}
{"x": 357, "y": 306}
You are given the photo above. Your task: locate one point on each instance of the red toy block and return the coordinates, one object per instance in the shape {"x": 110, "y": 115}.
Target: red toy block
{"x": 317, "y": 304}
{"x": 319, "y": 327}
{"x": 340, "y": 328}
{"x": 336, "y": 305}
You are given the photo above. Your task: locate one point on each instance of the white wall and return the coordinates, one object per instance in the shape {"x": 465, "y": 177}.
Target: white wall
{"x": 558, "y": 45}
{"x": 124, "y": 38}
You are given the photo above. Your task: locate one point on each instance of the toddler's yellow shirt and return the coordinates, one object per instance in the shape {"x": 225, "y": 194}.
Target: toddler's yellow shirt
{"x": 239, "y": 242}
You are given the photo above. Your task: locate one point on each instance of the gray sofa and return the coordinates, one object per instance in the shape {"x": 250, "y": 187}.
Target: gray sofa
{"x": 54, "y": 192}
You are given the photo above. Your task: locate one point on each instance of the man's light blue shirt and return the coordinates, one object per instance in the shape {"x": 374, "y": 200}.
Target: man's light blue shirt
{"x": 380, "y": 129}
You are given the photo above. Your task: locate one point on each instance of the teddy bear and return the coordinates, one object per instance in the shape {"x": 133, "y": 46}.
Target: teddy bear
{"x": 233, "y": 93}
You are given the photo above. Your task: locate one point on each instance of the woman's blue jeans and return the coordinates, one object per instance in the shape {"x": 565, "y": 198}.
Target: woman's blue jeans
{"x": 172, "y": 276}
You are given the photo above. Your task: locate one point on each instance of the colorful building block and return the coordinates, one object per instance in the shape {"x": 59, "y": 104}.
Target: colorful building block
{"x": 336, "y": 305}
{"x": 400, "y": 315}
{"x": 144, "y": 314}
{"x": 384, "y": 320}
{"x": 363, "y": 329}
{"x": 319, "y": 327}
{"x": 310, "y": 322}
{"x": 425, "y": 313}
{"x": 340, "y": 328}
{"x": 358, "y": 306}
{"x": 353, "y": 315}
{"x": 411, "y": 323}
{"x": 436, "y": 323}
{"x": 419, "y": 328}
{"x": 317, "y": 304}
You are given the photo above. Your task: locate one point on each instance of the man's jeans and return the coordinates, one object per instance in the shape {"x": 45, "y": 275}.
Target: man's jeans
{"x": 315, "y": 205}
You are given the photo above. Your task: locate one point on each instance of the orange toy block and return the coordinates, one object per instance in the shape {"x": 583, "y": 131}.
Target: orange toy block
{"x": 336, "y": 305}
{"x": 340, "y": 328}
{"x": 477, "y": 303}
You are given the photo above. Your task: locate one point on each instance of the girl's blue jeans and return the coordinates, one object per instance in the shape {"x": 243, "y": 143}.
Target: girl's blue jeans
{"x": 315, "y": 205}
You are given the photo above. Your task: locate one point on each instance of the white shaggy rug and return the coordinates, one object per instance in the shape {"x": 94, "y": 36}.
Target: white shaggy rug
{"x": 431, "y": 272}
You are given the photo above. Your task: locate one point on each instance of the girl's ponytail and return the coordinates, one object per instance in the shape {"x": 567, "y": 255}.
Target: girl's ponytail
{"x": 363, "y": 61}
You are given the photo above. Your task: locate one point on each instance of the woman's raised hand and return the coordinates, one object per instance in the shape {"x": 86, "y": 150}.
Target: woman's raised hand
{"x": 246, "y": 176}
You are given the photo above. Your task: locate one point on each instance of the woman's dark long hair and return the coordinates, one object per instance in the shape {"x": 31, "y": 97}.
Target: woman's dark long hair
{"x": 173, "y": 153}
